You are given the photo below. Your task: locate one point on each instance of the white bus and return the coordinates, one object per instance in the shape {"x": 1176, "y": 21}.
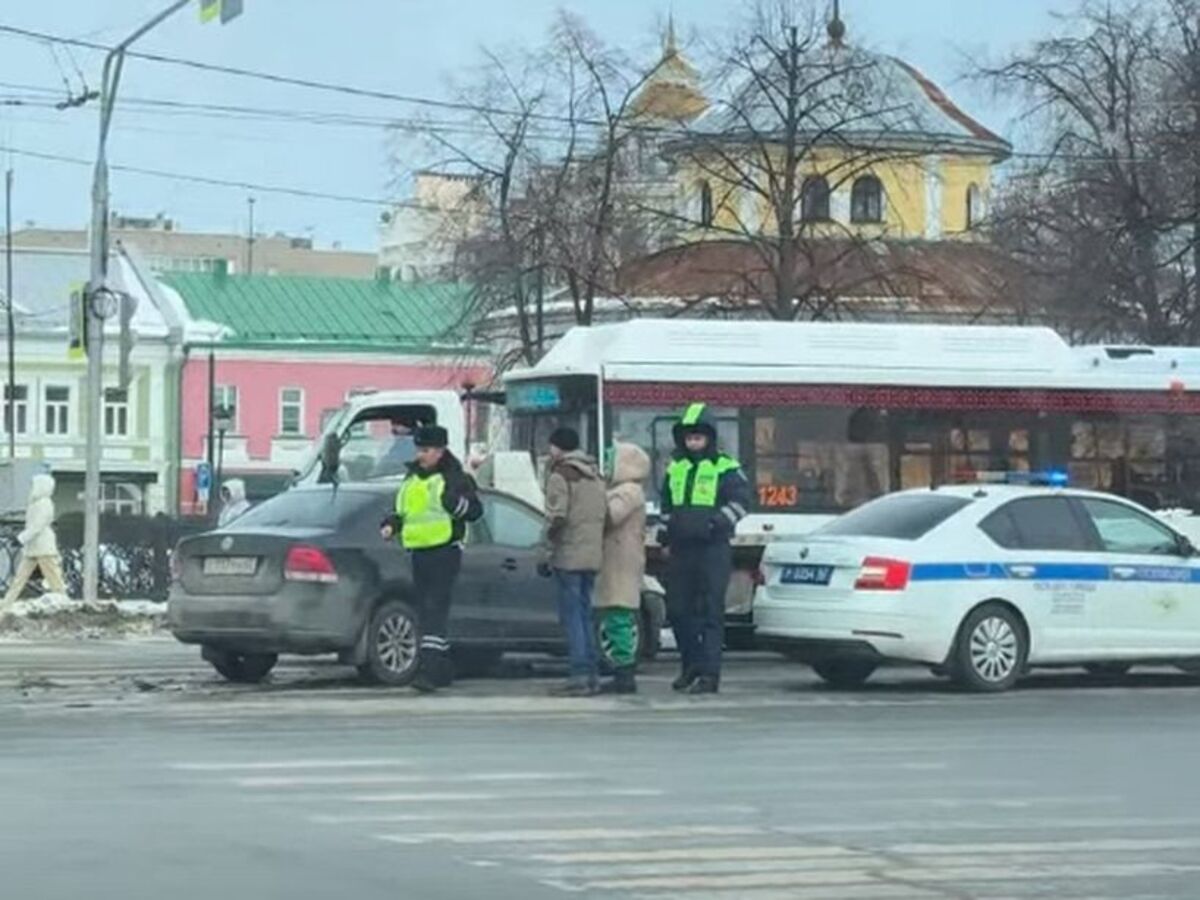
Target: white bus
{"x": 825, "y": 416}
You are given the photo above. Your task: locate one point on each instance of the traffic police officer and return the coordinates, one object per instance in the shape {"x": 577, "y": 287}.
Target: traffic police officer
{"x": 435, "y": 501}
{"x": 704, "y": 496}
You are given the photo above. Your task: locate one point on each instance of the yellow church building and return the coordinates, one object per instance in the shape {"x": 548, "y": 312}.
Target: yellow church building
{"x": 885, "y": 160}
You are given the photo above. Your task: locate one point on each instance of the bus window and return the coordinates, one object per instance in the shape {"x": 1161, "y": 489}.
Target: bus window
{"x": 947, "y": 446}
{"x": 1139, "y": 457}
{"x": 823, "y": 459}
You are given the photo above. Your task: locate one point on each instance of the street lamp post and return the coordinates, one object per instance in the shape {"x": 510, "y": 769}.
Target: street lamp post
{"x": 102, "y": 301}
{"x": 223, "y": 419}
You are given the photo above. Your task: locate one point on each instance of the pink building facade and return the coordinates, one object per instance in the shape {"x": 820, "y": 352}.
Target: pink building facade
{"x": 281, "y": 402}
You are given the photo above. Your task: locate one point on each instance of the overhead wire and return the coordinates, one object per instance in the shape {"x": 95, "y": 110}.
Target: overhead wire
{"x": 217, "y": 182}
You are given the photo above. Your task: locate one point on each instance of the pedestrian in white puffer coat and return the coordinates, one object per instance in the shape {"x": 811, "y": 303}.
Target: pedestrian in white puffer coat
{"x": 39, "y": 544}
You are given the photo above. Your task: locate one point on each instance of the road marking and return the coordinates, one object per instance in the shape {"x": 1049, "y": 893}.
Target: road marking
{"x": 910, "y": 876}
{"x": 288, "y": 764}
{"x": 591, "y": 811}
{"x": 274, "y": 781}
{"x": 1102, "y": 845}
{"x": 571, "y": 834}
{"x": 946, "y": 825}
{"x": 524, "y": 796}
{"x": 684, "y": 854}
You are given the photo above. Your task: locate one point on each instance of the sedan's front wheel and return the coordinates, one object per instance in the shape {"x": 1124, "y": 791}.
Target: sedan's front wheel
{"x": 991, "y": 650}
{"x": 393, "y": 645}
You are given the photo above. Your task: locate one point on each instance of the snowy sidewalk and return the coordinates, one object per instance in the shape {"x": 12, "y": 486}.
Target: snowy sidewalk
{"x": 55, "y": 615}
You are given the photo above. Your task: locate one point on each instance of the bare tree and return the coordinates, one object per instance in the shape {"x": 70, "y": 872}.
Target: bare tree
{"x": 1105, "y": 214}
{"x": 802, "y": 117}
{"x": 546, "y": 138}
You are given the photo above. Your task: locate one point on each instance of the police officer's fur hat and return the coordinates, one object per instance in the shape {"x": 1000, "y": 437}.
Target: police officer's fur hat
{"x": 431, "y": 436}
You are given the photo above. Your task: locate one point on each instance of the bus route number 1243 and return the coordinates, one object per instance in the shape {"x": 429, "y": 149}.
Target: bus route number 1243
{"x": 777, "y": 496}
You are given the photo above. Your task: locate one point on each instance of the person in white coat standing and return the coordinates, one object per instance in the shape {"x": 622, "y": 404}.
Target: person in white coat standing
{"x": 233, "y": 501}
{"x": 39, "y": 544}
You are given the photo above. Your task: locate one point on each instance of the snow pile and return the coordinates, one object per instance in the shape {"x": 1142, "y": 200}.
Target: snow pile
{"x": 55, "y": 615}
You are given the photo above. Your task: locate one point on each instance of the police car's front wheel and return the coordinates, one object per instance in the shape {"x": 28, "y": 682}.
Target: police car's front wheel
{"x": 991, "y": 649}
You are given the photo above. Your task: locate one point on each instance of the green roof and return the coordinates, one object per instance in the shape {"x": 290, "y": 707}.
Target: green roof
{"x": 266, "y": 310}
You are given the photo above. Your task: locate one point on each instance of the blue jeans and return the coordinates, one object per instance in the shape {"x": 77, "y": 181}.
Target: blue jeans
{"x": 575, "y": 616}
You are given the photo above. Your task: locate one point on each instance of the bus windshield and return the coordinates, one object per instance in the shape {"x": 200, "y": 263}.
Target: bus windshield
{"x": 536, "y": 407}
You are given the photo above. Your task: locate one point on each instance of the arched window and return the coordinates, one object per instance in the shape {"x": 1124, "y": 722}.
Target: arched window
{"x": 974, "y": 206}
{"x": 866, "y": 200}
{"x": 706, "y": 204}
{"x": 814, "y": 199}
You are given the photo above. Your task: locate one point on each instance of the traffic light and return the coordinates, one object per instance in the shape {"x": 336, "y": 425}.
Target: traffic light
{"x": 77, "y": 328}
{"x": 128, "y": 308}
{"x": 227, "y": 10}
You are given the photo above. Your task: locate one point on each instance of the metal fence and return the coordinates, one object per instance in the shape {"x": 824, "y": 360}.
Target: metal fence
{"x": 135, "y": 554}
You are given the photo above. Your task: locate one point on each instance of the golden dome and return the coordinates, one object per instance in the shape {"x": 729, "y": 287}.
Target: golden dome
{"x": 672, "y": 91}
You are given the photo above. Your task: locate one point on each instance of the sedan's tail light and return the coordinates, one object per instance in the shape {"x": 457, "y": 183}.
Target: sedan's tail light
{"x": 176, "y": 566}
{"x": 879, "y": 574}
{"x": 306, "y": 563}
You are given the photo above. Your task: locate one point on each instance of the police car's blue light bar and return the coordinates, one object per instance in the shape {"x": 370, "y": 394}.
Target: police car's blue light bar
{"x": 1048, "y": 478}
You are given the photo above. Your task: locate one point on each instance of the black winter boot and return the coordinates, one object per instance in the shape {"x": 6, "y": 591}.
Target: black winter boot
{"x": 622, "y": 682}
{"x": 705, "y": 684}
{"x": 684, "y": 681}
{"x": 435, "y": 672}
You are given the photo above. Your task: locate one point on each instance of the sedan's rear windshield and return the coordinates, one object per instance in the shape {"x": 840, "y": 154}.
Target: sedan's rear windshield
{"x": 905, "y": 517}
{"x": 308, "y": 509}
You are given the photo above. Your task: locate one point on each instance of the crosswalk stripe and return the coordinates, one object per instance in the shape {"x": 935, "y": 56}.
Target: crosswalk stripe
{"x": 684, "y": 854}
{"x": 275, "y": 781}
{"x": 910, "y": 876}
{"x": 288, "y": 764}
{"x": 856, "y": 892}
{"x": 1114, "y": 845}
{"x": 586, "y": 813}
{"x": 571, "y": 834}
{"x": 523, "y": 797}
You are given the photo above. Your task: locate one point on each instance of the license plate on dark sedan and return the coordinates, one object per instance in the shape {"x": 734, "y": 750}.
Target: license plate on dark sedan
{"x": 230, "y": 565}
{"x": 818, "y": 575}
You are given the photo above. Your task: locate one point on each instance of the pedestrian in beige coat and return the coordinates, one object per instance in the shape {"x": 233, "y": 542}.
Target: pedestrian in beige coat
{"x": 619, "y": 589}
{"x": 574, "y": 544}
{"x": 39, "y": 545}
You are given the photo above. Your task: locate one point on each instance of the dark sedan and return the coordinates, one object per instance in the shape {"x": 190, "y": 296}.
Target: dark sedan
{"x": 307, "y": 572}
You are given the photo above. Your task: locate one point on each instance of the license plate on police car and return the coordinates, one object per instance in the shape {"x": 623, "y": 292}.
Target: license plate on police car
{"x": 230, "y": 565}
{"x": 818, "y": 575}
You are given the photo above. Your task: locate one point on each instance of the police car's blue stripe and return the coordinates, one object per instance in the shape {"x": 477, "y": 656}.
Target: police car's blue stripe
{"x": 983, "y": 571}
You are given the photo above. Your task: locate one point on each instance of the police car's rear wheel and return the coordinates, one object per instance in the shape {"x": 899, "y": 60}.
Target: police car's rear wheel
{"x": 844, "y": 673}
{"x": 991, "y": 650}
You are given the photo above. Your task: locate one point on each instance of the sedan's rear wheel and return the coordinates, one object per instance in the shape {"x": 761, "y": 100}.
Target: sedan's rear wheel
{"x": 991, "y": 650}
{"x": 240, "y": 668}
{"x": 393, "y": 645}
{"x": 845, "y": 674}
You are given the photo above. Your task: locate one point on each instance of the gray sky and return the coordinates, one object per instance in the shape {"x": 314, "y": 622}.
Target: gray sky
{"x": 402, "y": 46}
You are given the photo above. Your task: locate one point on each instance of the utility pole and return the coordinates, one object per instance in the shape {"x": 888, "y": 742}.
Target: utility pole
{"x": 250, "y": 239}
{"x": 102, "y": 301}
{"x": 11, "y": 399}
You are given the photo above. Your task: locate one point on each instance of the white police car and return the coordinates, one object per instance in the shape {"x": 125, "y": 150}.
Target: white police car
{"x": 981, "y": 582}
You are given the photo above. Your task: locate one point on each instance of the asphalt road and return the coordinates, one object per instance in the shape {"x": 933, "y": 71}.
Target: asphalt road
{"x": 127, "y": 771}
